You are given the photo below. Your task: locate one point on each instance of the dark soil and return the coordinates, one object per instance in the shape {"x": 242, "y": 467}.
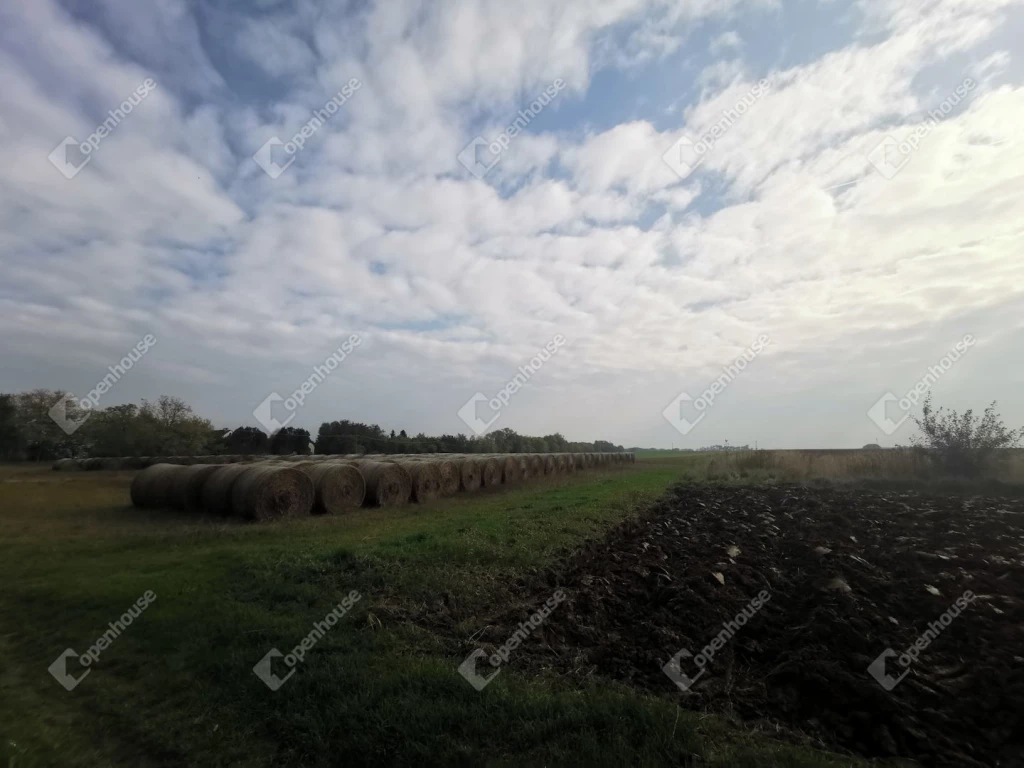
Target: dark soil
{"x": 848, "y": 573}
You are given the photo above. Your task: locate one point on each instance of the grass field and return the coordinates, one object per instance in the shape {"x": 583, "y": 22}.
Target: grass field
{"x": 177, "y": 687}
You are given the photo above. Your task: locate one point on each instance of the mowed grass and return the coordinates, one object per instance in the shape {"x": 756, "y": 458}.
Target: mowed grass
{"x": 177, "y": 687}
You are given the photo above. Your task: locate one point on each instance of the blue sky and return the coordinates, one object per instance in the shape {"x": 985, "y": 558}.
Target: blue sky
{"x": 810, "y": 219}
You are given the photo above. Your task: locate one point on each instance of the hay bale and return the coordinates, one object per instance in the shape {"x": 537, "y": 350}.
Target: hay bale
{"x": 511, "y": 473}
{"x": 268, "y": 493}
{"x": 336, "y": 487}
{"x": 426, "y": 479}
{"x": 91, "y": 465}
{"x": 387, "y": 484}
{"x": 524, "y": 466}
{"x": 469, "y": 473}
{"x": 550, "y": 466}
{"x": 110, "y": 464}
{"x": 536, "y": 464}
{"x": 450, "y": 477}
{"x": 185, "y": 487}
{"x": 66, "y": 465}
{"x": 215, "y": 496}
{"x": 150, "y": 488}
{"x": 490, "y": 475}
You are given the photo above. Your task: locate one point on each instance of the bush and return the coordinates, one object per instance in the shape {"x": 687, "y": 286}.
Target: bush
{"x": 963, "y": 444}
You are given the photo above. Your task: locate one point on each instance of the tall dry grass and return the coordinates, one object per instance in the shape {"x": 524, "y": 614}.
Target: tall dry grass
{"x": 891, "y": 464}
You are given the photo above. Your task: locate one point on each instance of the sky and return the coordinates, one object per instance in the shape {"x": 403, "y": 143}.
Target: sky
{"x": 615, "y": 201}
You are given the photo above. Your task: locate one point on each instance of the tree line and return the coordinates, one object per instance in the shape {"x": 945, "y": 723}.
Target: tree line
{"x": 169, "y": 427}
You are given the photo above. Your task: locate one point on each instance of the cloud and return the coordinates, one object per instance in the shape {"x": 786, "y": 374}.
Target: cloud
{"x": 785, "y": 228}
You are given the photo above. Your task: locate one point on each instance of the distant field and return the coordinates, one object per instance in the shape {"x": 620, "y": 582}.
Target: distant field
{"x": 895, "y": 466}
{"x": 177, "y": 686}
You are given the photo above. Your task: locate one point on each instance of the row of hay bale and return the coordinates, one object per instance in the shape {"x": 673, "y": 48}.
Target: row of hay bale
{"x": 563, "y": 462}
{"x": 291, "y": 486}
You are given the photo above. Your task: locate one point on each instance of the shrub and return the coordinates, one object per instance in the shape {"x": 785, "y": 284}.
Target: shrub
{"x": 964, "y": 444}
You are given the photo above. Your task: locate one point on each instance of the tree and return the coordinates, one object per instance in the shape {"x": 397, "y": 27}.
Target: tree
{"x": 172, "y": 428}
{"x": 115, "y": 431}
{"x": 42, "y": 438}
{"x": 247, "y": 440}
{"x": 962, "y": 443}
{"x": 290, "y": 440}
{"x": 12, "y": 442}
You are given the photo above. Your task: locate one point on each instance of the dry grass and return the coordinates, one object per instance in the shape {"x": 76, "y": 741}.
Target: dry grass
{"x": 894, "y": 465}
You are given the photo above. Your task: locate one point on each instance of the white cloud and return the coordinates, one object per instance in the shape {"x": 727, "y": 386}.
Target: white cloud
{"x": 580, "y": 228}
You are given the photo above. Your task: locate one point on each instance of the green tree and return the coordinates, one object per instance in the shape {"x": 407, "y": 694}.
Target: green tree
{"x": 247, "y": 440}
{"x": 12, "y": 443}
{"x": 963, "y": 443}
{"x": 43, "y": 438}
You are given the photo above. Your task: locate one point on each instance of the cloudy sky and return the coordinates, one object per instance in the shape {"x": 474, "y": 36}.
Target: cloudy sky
{"x": 707, "y": 172}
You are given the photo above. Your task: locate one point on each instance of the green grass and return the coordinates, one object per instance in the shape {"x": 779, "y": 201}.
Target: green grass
{"x": 177, "y": 686}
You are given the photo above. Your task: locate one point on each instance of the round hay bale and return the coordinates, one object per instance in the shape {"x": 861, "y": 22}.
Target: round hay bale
{"x": 150, "y": 488}
{"x": 524, "y": 466}
{"x": 387, "y": 483}
{"x": 91, "y": 465}
{"x": 185, "y": 488}
{"x": 578, "y": 461}
{"x": 536, "y": 464}
{"x": 469, "y": 473}
{"x": 550, "y": 467}
{"x": 511, "y": 473}
{"x": 267, "y": 493}
{"x": 336, "y": 487}
{"x": 66, "y": 465}
{"x": 111, "y": 464}
{"x": 215, "y": 496}
{"x": 426, "y": 479}
{"x": 450, "y": 477}
{"x": 133, "y": 462}
{"x": 490, "y": 474}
